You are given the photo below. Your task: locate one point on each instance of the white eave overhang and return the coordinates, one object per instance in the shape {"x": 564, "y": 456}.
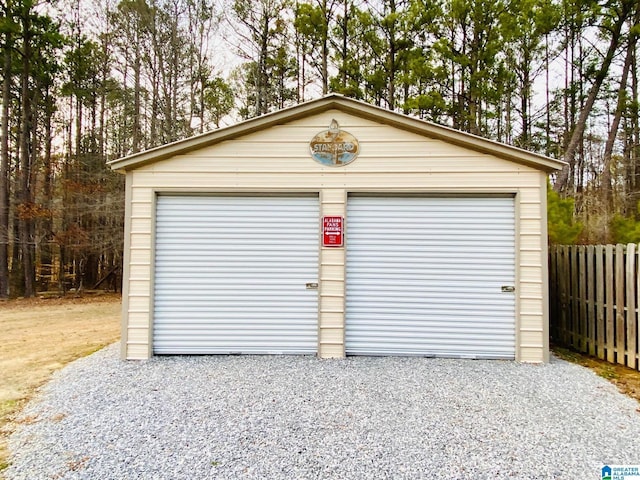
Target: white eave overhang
{"x": 347, "y": 105}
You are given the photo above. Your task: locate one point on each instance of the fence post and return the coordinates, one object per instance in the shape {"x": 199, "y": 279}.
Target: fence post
{"x": 610, "y": 312}
{"x": 631, "y": 306}
{"x": 574, "y": 329}
{"x": 591, "y": 319}
{"x": 553, "y": 292}
{"x": 566, "y": 288}
{"x": 636, "y": 314}
{"x": 620, "y": 291}
{"x": 600, "y": 319}
{"x": 582, "y": 299}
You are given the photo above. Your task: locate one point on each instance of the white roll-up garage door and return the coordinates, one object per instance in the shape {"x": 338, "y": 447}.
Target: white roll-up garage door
{"x": 231, "y": 274}
{"x": 425, "y": 276}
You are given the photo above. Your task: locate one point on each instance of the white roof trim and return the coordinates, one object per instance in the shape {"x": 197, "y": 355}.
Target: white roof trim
{"x": 348, "y": 105}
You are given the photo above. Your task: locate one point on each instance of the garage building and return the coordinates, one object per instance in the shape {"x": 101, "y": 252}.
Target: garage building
{"x": 336, "y": 228}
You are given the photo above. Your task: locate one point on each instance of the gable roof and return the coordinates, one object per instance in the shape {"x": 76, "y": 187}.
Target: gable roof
{"x": 347, "y": 105}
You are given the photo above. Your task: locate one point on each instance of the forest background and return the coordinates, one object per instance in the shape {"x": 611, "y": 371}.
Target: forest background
{"x": 87, "y": 82}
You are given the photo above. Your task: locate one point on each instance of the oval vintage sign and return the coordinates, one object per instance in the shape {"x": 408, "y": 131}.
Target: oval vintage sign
{"x": 334, "y": 147}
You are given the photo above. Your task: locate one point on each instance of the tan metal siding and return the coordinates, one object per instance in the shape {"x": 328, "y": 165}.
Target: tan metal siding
{"x": 126, "y": 319}
{"x": 543, "y": 336}
{"x": 363, "y": 181}
{"x": 138, "y": 279}
{"x": 391, "y": 160}
{"x": 331, "y": 279}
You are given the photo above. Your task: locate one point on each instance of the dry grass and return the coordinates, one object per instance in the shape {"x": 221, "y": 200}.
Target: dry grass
{"x": 40, "y": 337}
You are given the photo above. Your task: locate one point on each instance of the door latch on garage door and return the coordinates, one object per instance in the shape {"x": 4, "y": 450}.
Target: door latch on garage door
{"x": 312, "y": 286}
{"x": 508, "y": 288}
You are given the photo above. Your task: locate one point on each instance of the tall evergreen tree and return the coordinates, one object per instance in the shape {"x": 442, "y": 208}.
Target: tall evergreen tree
{"x": 265, "y": 44}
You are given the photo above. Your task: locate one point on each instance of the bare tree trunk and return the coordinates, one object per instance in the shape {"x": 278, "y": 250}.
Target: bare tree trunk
{"x": 174, "y": 74}
{"x": 4, "y": 175}
{"x": 104, "y": 74}
{"x": 24, "y": 222}
{"x": 345, "y": 37}
{"x": 262, "y": 67}
{"x": 33, "y": 160}
{"x": 615, "y": 124}
{"x": 525, "y": 99}
{"x": 203, "y": 86}
{"x": 547, "y": 128}
{"x": 137, "y": 130}
{"x": 78, "y": 146}
{"x": 175, "y": 67}
{"x": 325, "y": 50}
{"x": 47, "y": 254}
{"x": 327, "y": 14}
{"x": 635, "y": 135}
{"x": 391, "y": 93}
{"x": 300, "y": 58}
{"x": 562, "y": 181}
{"x": 156, "y": 58}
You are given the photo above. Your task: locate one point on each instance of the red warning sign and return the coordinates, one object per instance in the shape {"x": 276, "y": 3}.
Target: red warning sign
{"x": 332, "y": 231}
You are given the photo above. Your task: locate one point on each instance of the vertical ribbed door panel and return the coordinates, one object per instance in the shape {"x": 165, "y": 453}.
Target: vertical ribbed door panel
{"x": 230, "y": 275}
{"x": 425, "y": 276}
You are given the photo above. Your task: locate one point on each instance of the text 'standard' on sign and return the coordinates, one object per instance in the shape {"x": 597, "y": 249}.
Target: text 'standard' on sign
{"x": 334, "y": 147}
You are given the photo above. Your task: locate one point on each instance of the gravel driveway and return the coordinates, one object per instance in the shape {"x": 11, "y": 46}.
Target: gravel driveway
{"x": 283, "y": 417}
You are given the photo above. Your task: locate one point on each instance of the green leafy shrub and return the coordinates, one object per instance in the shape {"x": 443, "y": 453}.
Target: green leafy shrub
{"x": 562, "y": 227}
{"x": 625, "y": 230}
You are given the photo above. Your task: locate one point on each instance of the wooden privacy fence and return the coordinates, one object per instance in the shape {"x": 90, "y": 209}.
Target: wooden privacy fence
{"x": 594, "y": 297}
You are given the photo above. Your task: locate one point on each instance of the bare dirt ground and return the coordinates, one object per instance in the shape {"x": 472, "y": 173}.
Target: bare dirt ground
{"x": 40, "y": 336}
